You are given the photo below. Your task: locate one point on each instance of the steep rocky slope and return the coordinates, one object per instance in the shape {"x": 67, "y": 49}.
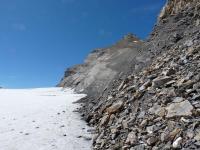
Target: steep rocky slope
{"x": 156, "y": 103}
{"x": 102, "y": 66}
{"x": 158, "y": 107}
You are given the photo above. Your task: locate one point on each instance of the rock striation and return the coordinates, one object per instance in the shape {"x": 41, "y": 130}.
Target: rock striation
{"x": 155, "y": 103}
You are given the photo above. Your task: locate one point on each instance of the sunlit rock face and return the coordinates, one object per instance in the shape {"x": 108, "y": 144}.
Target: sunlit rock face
{"x": 174, "y": 6}
{"x": 102, "y": 66}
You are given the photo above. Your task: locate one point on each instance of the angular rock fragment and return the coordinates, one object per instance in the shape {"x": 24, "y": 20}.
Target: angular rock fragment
{"x": 160, "y": 81}
{"x": 196, "y": 97}
{"x": 197, "y": 136}
{"x": 151, "y": 129}
{"x": 131, "y": 88}
{"x": 131, "y": 139}
{"x": 120, "y": 86}
{"x": 188, "y": 43}
{"x": 169, "y": 72}
{"x": 177, "y": 143}
{"x": 145, "y": 85}
{"x": 104, "y": 120}
{"x": 144, "y": 123}
{"x": 138, "y": 147}
{"x": 198, "y": 22}
{"x": 178, "y": 99}
{"x": 152, "y": 140}
{"x": 157, "y": 110}
{"x": 179, "y": 109}
{"x": 173, "y": 134}
{"x": 186, "y": 85}
{"x": 115, "y": 107}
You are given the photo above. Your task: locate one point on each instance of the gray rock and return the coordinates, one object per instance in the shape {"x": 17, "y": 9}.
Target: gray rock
{"x": 115, "y": 107}
{"x": 131, "y": 139}
{"x": 145, "y": 85}
{"x": 144, "y": 123}
{"x": 141, "y": 114}
{"x": 169, "y": 72}
{"x": 151, "y": 129}
{"x": 102, "y": 66}
{"x": 179, "y": 109}
{"x": 104, "y": 120}
{"x": 163, "y": 136}
{"x": 198, "y": 22}
{"x": 196, "y": 97}
{"x": 160, "y": 81}
{"x": 138, "y": 147}
{"x": 177, "y": 142}
{"x": 189, "y": 43}
{"x": 157, "y": 110}
{"x": 178, "y": 99}
{"x": 152, "y": 140}
{"x": 197, "y": 136}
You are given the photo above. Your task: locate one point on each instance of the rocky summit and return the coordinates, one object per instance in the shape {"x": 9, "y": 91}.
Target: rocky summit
{"x": 102, "y": 66}
{"x": 146, "y": 94}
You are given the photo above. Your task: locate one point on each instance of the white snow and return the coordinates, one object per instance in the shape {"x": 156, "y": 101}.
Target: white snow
{"x": 41, "y": 119}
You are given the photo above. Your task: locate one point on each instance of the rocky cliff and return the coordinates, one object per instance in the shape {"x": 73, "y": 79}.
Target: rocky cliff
{"x": 158, "y": 105}
{"x": 102, "y": 66}
{"x": 174, "y": 7}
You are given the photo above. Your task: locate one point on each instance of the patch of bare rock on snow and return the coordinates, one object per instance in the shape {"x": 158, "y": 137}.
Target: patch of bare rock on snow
{"x": 41, "y": 119}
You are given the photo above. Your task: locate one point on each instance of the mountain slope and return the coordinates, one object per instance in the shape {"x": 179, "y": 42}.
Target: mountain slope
{"x": 102, "y": 66}
{"x": 155, "y": 104}
{"x": 157, "y": 107}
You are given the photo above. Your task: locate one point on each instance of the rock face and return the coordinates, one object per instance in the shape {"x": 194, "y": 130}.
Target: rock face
{"x": 174, "y": 7}
{"x": 156, "y": 106}
{"x": 102, "y": 66}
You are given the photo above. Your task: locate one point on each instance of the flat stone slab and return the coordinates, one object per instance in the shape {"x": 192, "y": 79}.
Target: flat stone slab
{"x": 183, "y": 108}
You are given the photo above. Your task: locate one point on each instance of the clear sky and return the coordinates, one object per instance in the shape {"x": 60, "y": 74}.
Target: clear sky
{"x": 39, "y": 39}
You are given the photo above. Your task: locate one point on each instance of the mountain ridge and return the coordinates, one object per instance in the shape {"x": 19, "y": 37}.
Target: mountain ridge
{"x": 154, "y": 104}
{"x": 102, "y": 66}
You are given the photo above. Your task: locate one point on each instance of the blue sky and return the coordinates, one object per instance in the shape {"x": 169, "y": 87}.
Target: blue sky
{"x": 39, "y": 39}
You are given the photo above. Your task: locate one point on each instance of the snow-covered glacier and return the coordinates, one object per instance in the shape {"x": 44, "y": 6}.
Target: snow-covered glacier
{"x": 41, "y": 119}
